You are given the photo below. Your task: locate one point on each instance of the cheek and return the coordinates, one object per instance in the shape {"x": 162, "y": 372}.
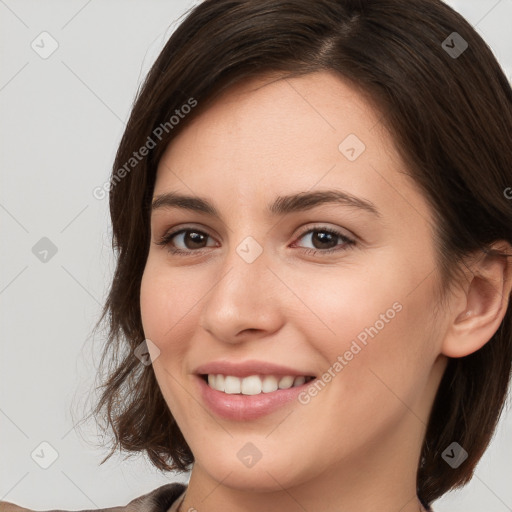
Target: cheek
{"x": 166, "y": 313}
{"x": 152, "y": 296}
{"x": 169, "y": 301}
{"x": 376, "y": 361}
{"x": 374, "y": 320}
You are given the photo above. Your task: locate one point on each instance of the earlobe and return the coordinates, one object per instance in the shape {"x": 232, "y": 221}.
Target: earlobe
{"x": 483, "y": 305}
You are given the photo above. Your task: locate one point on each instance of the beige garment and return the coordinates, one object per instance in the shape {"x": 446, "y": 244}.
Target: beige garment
{"x": 158, "y": 500}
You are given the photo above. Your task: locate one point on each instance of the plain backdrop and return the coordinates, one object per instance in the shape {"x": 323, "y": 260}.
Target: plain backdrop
{"x": 62, "y": 117}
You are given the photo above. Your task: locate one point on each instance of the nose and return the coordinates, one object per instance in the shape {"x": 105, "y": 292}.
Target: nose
{"x": 244, "y": 302}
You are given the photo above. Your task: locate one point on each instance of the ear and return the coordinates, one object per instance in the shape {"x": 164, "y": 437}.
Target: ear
{"x": 479, "y": 311}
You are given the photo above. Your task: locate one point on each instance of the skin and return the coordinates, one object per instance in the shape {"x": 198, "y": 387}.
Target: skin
{"x": 356, "y": 445}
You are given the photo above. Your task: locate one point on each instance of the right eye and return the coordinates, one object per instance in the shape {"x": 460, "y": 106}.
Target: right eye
{"x": 190, "y": 240}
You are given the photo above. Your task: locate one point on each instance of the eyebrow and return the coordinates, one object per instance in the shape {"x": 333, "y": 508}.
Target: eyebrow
{"x": 282, "y": 205}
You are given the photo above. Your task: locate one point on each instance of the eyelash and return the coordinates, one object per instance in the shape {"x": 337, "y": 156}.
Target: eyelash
{"x": 349, "y": 243}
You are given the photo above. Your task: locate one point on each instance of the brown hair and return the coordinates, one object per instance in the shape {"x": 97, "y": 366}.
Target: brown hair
{"x": 451, "y": 119}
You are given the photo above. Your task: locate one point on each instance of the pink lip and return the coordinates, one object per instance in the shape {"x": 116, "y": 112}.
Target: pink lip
{"x": 246, "y": 407}
{"x": 247, "y": 368}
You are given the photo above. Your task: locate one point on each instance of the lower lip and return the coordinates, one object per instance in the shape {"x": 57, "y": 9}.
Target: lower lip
{"x": 247, "y": 407}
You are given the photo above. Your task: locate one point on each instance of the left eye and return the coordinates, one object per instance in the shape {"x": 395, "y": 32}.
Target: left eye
{"x": 324, "y": 240}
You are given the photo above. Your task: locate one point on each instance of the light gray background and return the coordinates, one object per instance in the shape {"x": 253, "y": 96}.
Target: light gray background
{"x": 61, "y": 121}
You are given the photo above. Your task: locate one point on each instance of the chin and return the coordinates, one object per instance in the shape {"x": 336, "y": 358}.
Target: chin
{"x": 272, "y": 472}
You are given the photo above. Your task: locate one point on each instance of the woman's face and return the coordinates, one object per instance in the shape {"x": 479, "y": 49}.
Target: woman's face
{"x": 273, "y": 279}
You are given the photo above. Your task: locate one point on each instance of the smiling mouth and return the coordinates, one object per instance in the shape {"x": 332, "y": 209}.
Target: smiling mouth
{"x": 253, "y": 384}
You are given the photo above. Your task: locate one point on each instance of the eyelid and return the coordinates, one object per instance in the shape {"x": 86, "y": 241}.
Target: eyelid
{"x": 324, "y": 227}
{"x": 302, "y": 231}
{"x": 184, "y": 227}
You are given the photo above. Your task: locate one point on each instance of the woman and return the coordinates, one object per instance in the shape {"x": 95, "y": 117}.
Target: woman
{"x": 312, "y": 216}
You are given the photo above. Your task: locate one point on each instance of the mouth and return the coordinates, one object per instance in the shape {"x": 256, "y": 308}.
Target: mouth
{"x": 245, "y": 390}
{"x": 253, "y": 384}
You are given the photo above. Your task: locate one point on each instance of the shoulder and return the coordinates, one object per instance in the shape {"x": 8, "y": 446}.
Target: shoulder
{"x": 158, "y": 500}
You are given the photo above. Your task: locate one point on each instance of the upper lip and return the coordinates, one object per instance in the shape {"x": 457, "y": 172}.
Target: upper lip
{"x": 247, "y": 368}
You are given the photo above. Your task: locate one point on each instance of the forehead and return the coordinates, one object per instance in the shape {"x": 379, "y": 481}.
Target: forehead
{"x": 272, "y": 111}
{"x": 271, "y": 134}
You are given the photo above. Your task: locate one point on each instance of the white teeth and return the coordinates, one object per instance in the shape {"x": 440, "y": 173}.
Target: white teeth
{"x": 299, "y": 381}
{"x": 269, "y": 384}
{"x": 254, "y": 384}
{"x": 219, "y": 382}
{"x": 232, "y": 385}
{"x": 251, "y": 385}
{"x": 286, "y": 382}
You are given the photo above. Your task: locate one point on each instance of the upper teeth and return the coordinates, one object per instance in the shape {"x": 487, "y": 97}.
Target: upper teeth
{"x": 254, "y": 384}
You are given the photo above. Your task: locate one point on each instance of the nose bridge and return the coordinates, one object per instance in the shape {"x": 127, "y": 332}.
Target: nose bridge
{"x": 244, "y": 268}
{"x": 240, "y": 298}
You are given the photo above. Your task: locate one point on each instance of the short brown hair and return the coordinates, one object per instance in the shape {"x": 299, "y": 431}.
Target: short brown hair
{"x": 451, "y": 120}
